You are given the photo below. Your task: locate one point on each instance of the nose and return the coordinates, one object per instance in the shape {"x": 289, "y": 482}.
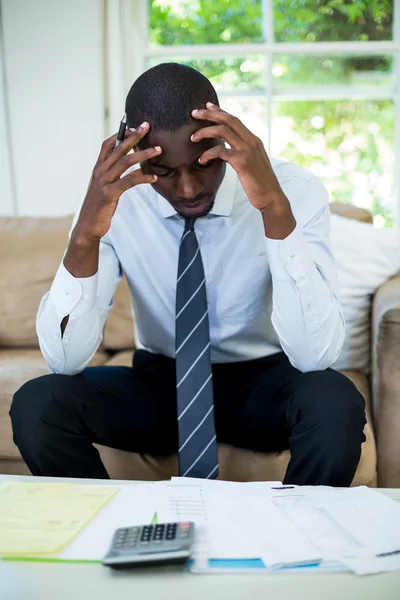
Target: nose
{"x": 188, "y": 187}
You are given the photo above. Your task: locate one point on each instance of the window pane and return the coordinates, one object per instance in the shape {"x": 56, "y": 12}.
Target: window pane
{"x": 251, "y": 111}
{"x": 175, "y": 22}
{"x": 290, "y": 70}
{"x": 232, "y": 73}
{"x": 333, "y": 20}
{"x": 348, "y": 144}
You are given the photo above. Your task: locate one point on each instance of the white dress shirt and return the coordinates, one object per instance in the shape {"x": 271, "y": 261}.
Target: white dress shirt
{"x": 263, "y": 295}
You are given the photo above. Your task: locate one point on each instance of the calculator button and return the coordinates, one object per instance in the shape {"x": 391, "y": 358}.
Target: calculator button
{"x": 146, "y": 532}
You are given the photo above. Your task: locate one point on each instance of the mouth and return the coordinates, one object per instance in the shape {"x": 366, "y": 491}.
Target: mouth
{"x": 195, "y": 207}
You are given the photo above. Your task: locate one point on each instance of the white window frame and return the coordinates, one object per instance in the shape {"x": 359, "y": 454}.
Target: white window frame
{"x": 127, "y": 37}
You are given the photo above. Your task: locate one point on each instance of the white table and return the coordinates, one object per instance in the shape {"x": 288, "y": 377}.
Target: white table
{"x": 41, "y": 581}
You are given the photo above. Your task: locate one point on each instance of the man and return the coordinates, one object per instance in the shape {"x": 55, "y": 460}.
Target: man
{"x": 228, "y": 262}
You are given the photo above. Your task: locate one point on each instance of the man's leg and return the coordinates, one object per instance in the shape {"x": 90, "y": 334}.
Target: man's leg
{"x": 319, "y": 415}
{"x": 57, "y": 418}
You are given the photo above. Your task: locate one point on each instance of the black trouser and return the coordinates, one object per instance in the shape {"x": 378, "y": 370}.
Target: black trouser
{"x": 264, "y": 405}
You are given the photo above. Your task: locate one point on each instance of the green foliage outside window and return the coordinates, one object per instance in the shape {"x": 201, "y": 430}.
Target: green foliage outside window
{"x": 349, "y": 143}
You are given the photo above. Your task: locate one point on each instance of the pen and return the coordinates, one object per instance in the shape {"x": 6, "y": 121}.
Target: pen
{"x": 121, "y": 132}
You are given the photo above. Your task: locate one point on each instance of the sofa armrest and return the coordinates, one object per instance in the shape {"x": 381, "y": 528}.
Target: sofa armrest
{"x": 386, "y": 380}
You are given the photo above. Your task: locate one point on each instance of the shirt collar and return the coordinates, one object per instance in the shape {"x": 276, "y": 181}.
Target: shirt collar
{"x": 223, "y": 201}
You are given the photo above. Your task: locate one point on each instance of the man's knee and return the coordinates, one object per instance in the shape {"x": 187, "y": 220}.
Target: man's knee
{"x": 332, "y": 398}
{"x": 28, "y": 406}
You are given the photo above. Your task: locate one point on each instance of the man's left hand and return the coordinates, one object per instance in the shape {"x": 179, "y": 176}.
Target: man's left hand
{"x": 246, "y": 154}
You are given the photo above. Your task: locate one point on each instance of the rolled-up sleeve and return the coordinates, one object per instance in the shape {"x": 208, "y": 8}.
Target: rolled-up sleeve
{"x": 307, "y": 315}
{"x": 87, "y": 302}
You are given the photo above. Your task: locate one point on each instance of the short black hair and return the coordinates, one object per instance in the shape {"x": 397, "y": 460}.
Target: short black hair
{"x": 165, "y": 96}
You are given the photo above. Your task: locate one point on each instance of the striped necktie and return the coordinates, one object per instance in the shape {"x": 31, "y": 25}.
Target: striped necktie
{"x": 197, "y": 440}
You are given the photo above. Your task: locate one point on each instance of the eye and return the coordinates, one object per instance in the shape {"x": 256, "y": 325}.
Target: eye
{"x": 204, "y": 165}
{"x": 161, "y": 171}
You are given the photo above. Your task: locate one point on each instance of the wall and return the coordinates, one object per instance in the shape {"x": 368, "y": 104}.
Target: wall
{"x": 53, "y": 66}
{"x": 7, "y": 197}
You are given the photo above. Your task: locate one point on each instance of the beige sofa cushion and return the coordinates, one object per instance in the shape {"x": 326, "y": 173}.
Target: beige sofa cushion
{"x": 235, "y": 464}
{"x": 351, "y": 212}
{"x": 30, "y": 252}
{"x": 16, "y": 368}
{"x": 118, "y": 331}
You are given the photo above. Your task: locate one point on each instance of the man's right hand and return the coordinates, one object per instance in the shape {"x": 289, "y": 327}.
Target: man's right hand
{"x": 107, "y": 185}
{"x": 101, "y": 201}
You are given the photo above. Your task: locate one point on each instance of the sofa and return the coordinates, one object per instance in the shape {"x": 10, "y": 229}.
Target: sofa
{"x": 30, "y": 251}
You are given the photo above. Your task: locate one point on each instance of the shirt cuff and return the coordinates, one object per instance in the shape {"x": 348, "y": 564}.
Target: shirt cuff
{"x": 286, "y": 257}
{"x": 72, "y": 295}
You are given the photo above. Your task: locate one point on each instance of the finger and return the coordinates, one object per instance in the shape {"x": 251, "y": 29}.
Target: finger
{"x": 219, "y": 131}
{"x": 132, "y": 138}
{"x": 129, "y": 160}
{"x": 106, "y": 149}
{"x": 219, "y": 151}
{"x": 131, "y": 179}
{"x": 217, "y": 115}
{"x": 212, "y": 106}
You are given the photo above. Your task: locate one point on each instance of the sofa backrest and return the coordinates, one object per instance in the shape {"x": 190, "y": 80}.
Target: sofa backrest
{"x": 31, "y": 249}
{"x": 30, "y": 252}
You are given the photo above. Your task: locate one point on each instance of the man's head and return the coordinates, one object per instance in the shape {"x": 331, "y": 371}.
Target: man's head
{"x": 165, "y": 97}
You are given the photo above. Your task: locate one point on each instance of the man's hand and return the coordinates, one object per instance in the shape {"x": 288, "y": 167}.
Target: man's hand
{"x": 107, "y": 183}
{"x": 246, "y": 155}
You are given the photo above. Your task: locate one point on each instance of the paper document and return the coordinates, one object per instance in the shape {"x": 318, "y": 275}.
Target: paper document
{"x": 38, "y": 518}
{"x": 287, "y": 526}
{"x": 227, "y": 523}
{"x": 258, "y": 526}
{"x": 365, "y": 564}
{"x": 135, "y": 504}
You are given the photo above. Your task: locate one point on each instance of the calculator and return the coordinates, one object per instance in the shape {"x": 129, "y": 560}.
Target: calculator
{"x": 161, "y": 543}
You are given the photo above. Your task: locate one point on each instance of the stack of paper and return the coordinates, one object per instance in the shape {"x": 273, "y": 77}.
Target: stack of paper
{"x": 287, "y": 526}
{"x": 264, "y": 527}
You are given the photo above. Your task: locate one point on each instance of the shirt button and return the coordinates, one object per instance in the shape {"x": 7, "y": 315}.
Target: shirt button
{"x": 85, "y": 296}
{"x": 288, "y": 260}
{"x": 69, "y": 296}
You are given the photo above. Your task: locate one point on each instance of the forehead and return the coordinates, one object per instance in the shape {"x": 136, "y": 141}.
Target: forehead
{"x": 178, "y": 149}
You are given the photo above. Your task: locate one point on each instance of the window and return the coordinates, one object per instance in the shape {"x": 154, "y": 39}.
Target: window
{"x": 315, "y": 79}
